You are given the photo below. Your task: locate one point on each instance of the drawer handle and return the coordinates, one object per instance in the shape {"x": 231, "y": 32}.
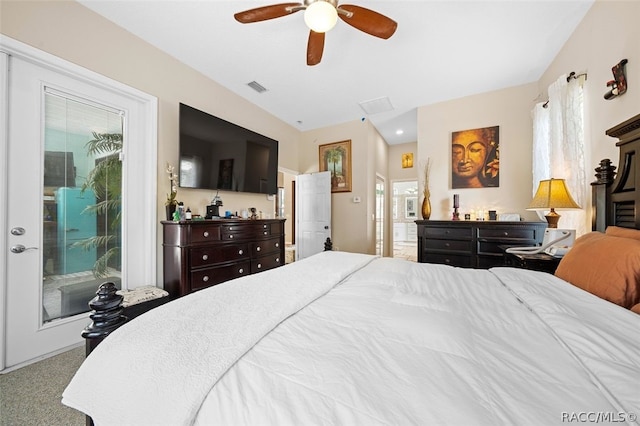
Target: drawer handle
{"x": 231, "y": 228}
{"x": 240, "y": 251}
{"x": 264, "y": 226}
{"x": 277, "y": 260}
{"x": 231, "y": 237}
{"x": 258, "y": 248}
{"x": 506, "y": 234}
{"x": 277, "y": 244}
{"x": 240, "y": 270}
{"x": 205, "y": 234}
{"x": 259, "y": 265}
{"x": 265, "y": 232}
{"x": 447, "y": 245}
{"x": 205, "y": 256}
{"x": 447, "y": 261}
{"x": 205, "y": 278}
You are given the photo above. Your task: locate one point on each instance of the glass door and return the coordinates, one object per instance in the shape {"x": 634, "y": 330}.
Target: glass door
{"x": 82, "y": 186}
{"x": 64, "y": 207}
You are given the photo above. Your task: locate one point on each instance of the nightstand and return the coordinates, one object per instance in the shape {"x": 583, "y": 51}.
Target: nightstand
{"x": 537, "y": 262}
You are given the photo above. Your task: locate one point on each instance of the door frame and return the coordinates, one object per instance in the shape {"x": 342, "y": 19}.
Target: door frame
{"x": 4, "y": 190}
{"x": 145, "y": 204}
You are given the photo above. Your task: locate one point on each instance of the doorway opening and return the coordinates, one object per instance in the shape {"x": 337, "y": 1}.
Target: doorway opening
{"x": 405, "y": 213}
{"x": 380, "y": 216}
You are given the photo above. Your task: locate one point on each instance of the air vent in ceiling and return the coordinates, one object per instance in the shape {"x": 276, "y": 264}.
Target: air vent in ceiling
{"x": 257, "y": 86}
{"x": 375, "y": 106}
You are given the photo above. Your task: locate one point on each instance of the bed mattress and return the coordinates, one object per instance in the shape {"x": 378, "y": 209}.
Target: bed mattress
{"x": 395, "y": 342}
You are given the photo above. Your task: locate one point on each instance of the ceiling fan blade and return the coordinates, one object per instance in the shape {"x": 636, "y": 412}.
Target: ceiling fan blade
{"x": 267, "y": 12}
{"x": 315, "y": 48}
{"x": 368, "y": 21}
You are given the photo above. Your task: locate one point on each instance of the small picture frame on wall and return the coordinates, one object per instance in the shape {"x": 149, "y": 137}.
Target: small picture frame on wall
{"x": 407, "y": 160}
{"x": 336, "y": 158}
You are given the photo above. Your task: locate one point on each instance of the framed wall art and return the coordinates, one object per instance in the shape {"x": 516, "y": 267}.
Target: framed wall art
{"x": 407, "y": 160}
{"x": 475, "y": 158}
{"x": 336, "y": 158}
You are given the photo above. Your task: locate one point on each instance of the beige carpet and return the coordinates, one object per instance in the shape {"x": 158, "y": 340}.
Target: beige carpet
{"x": 31, "y": 395}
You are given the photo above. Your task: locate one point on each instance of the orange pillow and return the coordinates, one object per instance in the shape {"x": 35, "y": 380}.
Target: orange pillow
{"x": 617, "y": 231}
{"x": 606, "y": 266}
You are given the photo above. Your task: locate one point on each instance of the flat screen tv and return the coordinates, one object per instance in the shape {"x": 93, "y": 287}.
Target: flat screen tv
{"x": 219, "y": 155}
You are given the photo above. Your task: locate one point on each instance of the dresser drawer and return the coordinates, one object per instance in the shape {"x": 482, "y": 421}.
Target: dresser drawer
{"x": 448, "y": 245}
{"x": 497, "y": 233}
{"x": 202, "y": 278}
{"x": 236, "y": 236}
{"x": 207, "y": 233}
{"x": 460, "y": 233}
{"x": 448, "y": 259}
{"x": 266, "y": 262}
{"x": 267, "y": 246}
{"x": 210, "y": 255}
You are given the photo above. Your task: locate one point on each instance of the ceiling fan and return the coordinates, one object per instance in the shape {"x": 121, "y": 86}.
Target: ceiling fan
{"x": 320, "y": 16}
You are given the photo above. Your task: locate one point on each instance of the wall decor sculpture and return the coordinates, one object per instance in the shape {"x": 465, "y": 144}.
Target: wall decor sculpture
{"x": 619, "y": 83}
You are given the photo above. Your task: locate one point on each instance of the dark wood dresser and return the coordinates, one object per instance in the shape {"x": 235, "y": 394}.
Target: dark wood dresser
{"x": 202, "y": 253}
{"x": 473, "y": 244}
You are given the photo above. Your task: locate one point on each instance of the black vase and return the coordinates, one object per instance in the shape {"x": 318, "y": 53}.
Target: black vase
{"x": 171, "y": 208}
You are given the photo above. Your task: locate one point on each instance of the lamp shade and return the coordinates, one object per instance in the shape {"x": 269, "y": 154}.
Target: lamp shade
{"x": 320, "y": 16}
{"x": 552, "y": 194}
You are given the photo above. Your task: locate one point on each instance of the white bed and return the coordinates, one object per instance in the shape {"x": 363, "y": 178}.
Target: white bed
{"x": 352, "y": 339}
{"x": 349, "y": 339}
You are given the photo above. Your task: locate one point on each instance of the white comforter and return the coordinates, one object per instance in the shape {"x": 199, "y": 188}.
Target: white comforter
{"x": 394, "y": 342}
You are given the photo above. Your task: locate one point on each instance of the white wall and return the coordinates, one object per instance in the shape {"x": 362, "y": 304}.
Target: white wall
{"x": 509, "y": 109}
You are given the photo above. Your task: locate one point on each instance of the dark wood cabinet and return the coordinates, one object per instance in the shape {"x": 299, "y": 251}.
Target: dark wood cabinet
{"x": 473, "y": 244}
{"x": 202, "y": 253}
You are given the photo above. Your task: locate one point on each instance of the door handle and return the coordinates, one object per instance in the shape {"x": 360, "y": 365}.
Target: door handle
{"x": 326, "y": 227}
{"x": 19, "y": 248}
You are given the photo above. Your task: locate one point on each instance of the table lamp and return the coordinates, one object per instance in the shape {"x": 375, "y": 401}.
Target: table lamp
{"x": 552, "y": 194}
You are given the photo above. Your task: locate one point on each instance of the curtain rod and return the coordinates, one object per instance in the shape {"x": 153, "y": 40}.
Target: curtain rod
{"x": 572, "y": 75}
{"x": 575, "y": 76}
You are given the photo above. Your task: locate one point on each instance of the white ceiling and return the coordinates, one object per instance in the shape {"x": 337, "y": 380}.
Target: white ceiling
{"x": 441, "y": 50}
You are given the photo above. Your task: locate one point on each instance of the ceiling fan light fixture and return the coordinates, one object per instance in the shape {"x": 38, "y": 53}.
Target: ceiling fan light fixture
{"x": 320, "y": 16}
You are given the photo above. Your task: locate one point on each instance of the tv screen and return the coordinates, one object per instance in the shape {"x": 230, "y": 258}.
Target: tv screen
{"x": 216, "y": 154}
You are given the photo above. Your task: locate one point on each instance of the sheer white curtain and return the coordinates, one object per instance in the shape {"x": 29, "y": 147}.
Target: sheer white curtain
{"x": 558, "y": 146}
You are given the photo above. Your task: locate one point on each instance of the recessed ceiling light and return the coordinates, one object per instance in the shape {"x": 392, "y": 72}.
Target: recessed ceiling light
{"x": 399, "y": 132}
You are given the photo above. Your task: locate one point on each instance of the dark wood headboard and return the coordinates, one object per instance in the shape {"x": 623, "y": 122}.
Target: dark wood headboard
{"x": 616, "y": 195}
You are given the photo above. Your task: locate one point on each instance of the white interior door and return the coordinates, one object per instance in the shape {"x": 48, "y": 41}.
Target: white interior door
{"x": 313, "y": 213}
